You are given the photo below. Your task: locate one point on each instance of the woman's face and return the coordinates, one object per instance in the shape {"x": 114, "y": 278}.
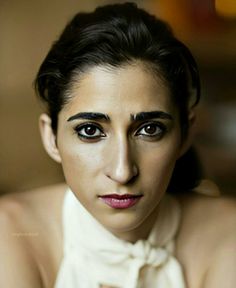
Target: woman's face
{"x": 118, "y": 139}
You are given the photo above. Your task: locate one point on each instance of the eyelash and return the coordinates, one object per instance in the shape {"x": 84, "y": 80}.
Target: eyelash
{"x": 83, "y": 126}
{"x": 80, "y": 131}
{"x": 157, "y": 134}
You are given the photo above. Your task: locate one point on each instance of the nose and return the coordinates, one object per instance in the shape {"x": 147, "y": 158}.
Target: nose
{"x": 121, "y": 167}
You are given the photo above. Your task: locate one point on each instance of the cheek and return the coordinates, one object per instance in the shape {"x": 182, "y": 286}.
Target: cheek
{"x": 157, "y": 165}
{"x": 80, "y": 163}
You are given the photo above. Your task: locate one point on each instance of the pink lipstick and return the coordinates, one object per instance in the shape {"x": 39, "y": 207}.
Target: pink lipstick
{"x": 120, "y": 201}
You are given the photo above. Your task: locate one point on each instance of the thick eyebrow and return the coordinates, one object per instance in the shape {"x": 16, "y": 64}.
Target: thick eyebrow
{"x": 141, "y": 116}
{"x": 89, "y": 116}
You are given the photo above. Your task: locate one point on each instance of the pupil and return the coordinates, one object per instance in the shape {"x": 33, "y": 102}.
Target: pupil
{"x": 90, "y": 130}
{"x": 150, "y": 129}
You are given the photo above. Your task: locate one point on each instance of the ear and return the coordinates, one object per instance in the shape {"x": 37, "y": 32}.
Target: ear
{"x": 48, "y": 137}
{"x": 187, "y": 142}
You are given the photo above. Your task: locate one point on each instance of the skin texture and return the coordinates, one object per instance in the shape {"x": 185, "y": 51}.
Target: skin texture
{"x": 123, "y": 159}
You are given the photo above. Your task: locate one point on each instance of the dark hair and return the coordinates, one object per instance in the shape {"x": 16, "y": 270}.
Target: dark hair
{"x": 115, "y": 35}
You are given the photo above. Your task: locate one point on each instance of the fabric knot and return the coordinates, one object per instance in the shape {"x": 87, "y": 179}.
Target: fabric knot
{"x": 149, "y": 254}
{"x": 146, "y": 263}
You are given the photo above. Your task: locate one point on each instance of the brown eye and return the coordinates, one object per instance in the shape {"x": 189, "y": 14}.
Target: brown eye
{"x": 89, "y": 131}
{"x": 154, "y": 130}
{"x": 150, "y": 129}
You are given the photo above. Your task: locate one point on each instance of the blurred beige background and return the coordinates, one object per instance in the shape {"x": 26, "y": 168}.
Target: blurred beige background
{"x": 27, "y": 30}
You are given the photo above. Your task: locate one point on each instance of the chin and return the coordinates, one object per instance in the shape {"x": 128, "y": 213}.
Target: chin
{"x": 123, "y": 223}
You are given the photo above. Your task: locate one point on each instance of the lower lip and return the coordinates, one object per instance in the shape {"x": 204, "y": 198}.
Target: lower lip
{"x": 120, "y": 203}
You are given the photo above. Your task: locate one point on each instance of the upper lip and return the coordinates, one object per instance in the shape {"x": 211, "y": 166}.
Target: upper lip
{"x": 118, "y": 196}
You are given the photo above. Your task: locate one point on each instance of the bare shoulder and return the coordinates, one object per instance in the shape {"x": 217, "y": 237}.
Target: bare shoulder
{"x": 30, "y": 236}
{"x": 212, "y": 215}
{"x": 207, "y": 239}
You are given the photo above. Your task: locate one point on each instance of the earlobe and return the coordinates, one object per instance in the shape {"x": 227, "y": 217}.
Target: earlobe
{"x": 48, "y": 137}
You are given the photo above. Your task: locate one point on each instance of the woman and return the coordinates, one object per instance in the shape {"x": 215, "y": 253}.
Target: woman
{"x": 120, "y": 92}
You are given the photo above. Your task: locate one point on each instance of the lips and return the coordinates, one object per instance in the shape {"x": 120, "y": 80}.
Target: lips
{"x": 117, "y": 201}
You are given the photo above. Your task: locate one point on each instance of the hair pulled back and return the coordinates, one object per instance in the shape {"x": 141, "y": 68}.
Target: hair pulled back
{"x": 115, "y": 35}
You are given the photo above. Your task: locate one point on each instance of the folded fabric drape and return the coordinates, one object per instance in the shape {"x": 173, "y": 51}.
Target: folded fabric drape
{"x": 93, "y": 256}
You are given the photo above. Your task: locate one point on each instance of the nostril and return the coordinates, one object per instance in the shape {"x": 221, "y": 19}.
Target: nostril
{"x": 132, "y": 179}
{"x": 123, "y": 175}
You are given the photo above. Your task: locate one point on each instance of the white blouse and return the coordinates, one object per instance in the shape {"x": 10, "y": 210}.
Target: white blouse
{"x": 93, "y": 256}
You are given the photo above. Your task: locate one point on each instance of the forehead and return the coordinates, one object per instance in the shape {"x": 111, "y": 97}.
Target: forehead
{"x": 126, "y": 89}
